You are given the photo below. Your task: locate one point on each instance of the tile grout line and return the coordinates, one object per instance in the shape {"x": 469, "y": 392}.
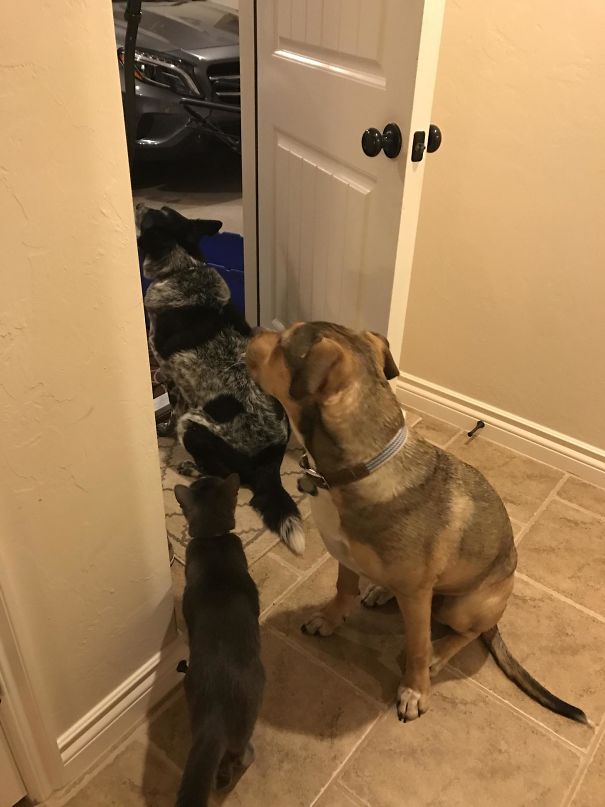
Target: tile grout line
{"x": 302, "y": 579}
{"x": 163, "y": 756}
{"x": 279, "y": 599}
{"x": 580, "y": 752}
{"x": 346, "y": 759}
{"x": 579, "y": 776}
{"x": 320, "y": 663}
{"x": 283, "y": 563}
{"x": 581, "y": 509}
{"x": 530, "y": 523}
{"x": 519, "y": 524}
{"x": 558, "y": 596}
{"x": 493, "y": 442}
{"x": 352, "y": 794}
{"x": 65, "y": 794}
{"x": 449, "y": 442}
{"x": 256, "y": 538}
{"x": 527, "y": 456}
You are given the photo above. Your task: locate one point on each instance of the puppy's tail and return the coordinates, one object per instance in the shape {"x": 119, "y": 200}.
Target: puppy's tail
{"x": 277, "y": 508}
{"x": 202, "y": 764}
{"x": 519, "y": 675}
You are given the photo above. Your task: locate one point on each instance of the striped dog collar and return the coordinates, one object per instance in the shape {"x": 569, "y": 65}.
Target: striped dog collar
{"x": 313, "y": 479}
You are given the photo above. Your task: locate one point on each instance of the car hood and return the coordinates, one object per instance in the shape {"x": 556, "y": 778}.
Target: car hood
{"x": 180, "y": 27}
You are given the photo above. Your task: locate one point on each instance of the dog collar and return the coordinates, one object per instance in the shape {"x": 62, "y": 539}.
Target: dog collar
{"x": 313, "y": 479}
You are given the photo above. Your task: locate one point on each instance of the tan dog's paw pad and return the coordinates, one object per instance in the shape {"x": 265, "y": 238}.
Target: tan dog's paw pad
{"x": 375, "y": 596}
{"x": 319, "y": 625}
{"x": 410, "y": 703}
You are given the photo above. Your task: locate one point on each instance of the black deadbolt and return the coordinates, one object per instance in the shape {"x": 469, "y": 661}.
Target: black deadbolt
{"x": 372, "y": 142}
{"x": 434, "y": 138}
{"x": 418, "y": 147}
{"x": 432, "y": 143}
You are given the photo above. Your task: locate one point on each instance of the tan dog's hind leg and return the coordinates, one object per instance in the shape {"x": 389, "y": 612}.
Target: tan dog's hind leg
{"x": 468, "y": 616}
{"x": 325, "y": 622}
{"x": 414, "y": 691}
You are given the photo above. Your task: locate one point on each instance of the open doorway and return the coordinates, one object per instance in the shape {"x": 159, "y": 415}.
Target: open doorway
{"x": 187, "y": 156}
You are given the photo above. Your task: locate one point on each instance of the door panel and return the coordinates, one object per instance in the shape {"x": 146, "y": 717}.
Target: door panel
{"x": 329, "y": 216}
{"x": 342, "y": 28}
{"x": 320, "y": 208}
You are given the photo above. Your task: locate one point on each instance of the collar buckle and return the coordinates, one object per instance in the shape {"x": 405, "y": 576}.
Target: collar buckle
{"x": 315, "y": 478}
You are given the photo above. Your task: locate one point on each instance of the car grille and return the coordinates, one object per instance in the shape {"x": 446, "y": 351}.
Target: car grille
{"x": 224, "y": 80}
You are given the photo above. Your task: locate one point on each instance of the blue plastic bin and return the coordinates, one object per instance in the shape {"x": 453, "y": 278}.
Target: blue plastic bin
{"x": 225, "y": 252}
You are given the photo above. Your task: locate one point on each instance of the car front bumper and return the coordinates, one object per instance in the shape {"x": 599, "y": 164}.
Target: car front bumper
{"x": 166, "y": 128}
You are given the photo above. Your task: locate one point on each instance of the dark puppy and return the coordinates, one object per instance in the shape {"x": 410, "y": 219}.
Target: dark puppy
{"x": 225, "y": 677}
{"x": 225, "y": 421}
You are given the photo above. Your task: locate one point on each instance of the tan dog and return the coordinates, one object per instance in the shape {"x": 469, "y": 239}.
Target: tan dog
{"x": 423, "y": 525}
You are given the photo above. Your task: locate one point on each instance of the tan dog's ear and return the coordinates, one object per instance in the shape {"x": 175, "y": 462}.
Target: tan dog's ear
{"x": 326, "y": 369}
{"x": 381, "y": 344}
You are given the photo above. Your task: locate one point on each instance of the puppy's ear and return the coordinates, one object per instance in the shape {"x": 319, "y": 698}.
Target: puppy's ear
{"x": 172, "y": 215}
{"x": 381, "y": 345}
{"x": 326, "y": 369}
{"x": 207, "y": 227}
{"x": 231, "y": 485}
{"x": 185, "y": 498}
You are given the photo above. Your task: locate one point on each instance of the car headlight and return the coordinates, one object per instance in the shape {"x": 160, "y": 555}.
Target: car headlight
{"x": 162, "y": 71}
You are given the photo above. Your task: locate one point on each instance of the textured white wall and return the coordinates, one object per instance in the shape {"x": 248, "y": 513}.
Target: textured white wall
{"x": 508, "y": 284}
{"x": 82, "y": 532}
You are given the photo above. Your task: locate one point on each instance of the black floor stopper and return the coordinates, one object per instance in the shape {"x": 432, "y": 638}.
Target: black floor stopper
{"x": 479, "y": 425}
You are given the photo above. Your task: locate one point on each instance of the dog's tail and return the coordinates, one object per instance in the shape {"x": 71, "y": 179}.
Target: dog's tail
{"x": 277, "y": 508}
{"x": 519, "y": 675}
{"x": 199, "y": 775}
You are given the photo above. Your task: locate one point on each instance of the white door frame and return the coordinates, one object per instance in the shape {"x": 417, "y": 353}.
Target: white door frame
{"x": 430, "y": 41}
{"x": 247, "y": 45}
{"x": 31, "y": 742}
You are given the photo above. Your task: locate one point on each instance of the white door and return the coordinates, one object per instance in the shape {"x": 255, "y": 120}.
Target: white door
{"x": 11, "y": 786}
{"x": 336, "y": 228}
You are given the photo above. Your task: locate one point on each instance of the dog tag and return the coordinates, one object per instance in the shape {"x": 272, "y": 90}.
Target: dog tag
{"x": 306, "y": 485}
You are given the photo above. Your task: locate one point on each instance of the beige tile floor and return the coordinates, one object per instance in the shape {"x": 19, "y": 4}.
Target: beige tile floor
{"x": 329, "y": 736}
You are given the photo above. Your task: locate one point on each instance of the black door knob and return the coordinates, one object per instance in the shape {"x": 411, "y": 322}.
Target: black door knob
{"x": 390, "y": 141}
{"x": 434, "y": 138}
{"x": 371, "y": 142}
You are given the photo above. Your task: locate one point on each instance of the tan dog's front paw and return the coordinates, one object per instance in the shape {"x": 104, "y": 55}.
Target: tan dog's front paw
{"x": 319, "y": 625}
{"x": 411, "y": 703}
{"x": 376, "y": 595}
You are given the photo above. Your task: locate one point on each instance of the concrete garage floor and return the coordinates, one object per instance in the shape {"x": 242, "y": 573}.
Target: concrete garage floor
{"x": 207, "y": 185}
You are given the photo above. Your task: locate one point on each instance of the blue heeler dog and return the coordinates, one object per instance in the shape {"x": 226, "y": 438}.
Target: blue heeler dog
{"x": 223, "y": 419}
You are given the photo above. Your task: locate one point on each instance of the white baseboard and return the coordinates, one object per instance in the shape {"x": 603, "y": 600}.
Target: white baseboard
{"x": 505, "y": 428}
{"x": 120, "y": 712}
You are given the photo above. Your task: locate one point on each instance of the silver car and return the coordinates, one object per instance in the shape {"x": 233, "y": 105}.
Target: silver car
{"x": 187, "y": 54}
